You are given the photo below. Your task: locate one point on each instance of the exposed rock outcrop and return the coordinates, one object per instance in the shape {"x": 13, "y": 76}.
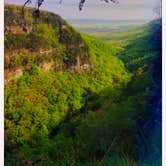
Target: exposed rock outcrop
{"x": 11, "y": 75}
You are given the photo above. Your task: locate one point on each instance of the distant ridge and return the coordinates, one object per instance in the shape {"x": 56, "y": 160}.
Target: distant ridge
{"x": 106, "y": 21}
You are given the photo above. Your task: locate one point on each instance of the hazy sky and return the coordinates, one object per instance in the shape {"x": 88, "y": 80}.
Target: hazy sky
{"x": 96, "y": 9}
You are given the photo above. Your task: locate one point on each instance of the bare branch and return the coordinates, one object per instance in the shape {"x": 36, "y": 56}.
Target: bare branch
{"x": 107, "y": 1}
{"x": 23, "y": 13}
{"x": 40, "y": 2}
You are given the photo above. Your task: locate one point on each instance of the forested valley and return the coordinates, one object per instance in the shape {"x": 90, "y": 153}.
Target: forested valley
{"x": 72, "y": 99}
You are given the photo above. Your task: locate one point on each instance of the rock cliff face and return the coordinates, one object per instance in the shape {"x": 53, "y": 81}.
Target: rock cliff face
{"x": 48, "y": 42}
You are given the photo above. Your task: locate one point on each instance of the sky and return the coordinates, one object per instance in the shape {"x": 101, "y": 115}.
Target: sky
{"x": 97, "y": 9}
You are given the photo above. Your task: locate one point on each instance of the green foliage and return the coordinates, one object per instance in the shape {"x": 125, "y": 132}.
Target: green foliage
{"x": 136, "y": 54}
{"x": 13, "y": 41}
{"x": 49, "y": 33}
{"x": 64, "y": 117}
{"x": 53, "y": 96}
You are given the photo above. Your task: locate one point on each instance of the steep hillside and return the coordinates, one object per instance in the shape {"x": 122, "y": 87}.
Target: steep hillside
{"x": 53, "y": 75}
{"x": 136, "y": 54}
{"x": 48, "y": 42}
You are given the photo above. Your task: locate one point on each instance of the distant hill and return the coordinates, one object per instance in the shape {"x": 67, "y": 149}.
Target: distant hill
{"x": 106, "y": 22}
{"x": 108, "y": 29}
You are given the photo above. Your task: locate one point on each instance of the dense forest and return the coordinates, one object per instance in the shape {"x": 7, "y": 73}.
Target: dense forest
{"x": 74, "y": 100}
